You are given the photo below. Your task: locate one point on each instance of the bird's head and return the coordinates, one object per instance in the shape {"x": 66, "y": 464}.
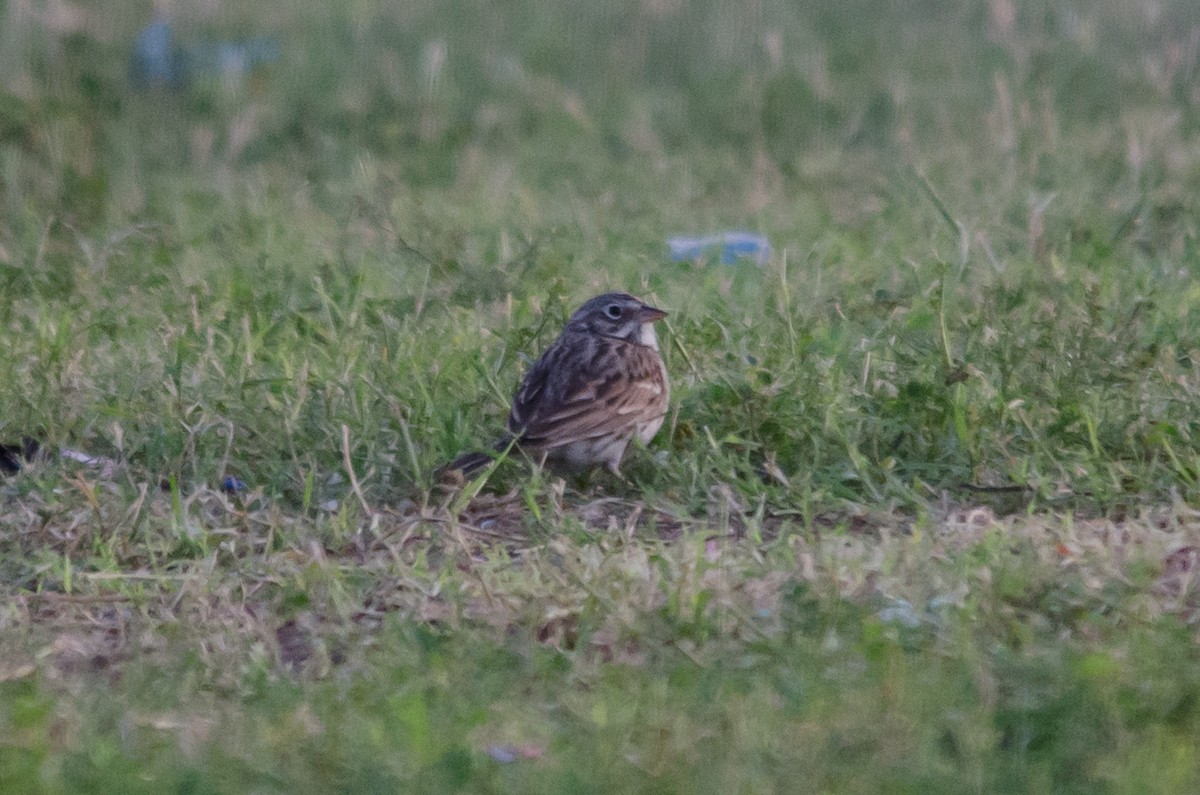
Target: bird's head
{"x": 618, "y": 315}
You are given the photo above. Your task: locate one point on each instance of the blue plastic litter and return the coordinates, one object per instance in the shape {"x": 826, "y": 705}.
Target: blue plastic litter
{"x": 503, "y": 754}
{"x": 158, "y": 60}
{"x": 726, "y": 247}
{"x": 233, "y": 485}
{"x": 901, "y": 612}
{"x": 155, "y": 60}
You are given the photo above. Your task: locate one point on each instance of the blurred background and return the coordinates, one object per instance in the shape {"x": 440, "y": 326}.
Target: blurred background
{"x": 95, "y": 107}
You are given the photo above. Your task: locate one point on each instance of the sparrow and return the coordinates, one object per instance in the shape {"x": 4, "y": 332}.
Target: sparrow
{"x": 601, "y": 384}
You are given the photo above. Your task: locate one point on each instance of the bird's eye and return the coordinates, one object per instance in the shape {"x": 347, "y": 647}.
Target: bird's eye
{"x": 613, "y": 311}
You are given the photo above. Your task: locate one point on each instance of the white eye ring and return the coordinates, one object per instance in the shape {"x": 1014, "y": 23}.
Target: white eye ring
{"x": 613, "y": 311}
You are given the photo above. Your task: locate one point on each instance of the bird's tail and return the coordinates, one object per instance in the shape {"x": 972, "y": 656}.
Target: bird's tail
{"x": 468, "y": 465}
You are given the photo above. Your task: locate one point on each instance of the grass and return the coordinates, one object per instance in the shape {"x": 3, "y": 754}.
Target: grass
{"x": 924, "y": 512}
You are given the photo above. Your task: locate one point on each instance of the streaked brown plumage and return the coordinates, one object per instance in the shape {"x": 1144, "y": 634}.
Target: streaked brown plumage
{"x": 598, "y": 386}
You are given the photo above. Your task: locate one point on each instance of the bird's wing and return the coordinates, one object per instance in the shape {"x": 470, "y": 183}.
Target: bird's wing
{"x": 586, "y": 387}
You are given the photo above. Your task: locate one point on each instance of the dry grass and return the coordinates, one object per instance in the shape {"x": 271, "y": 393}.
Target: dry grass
{"x": 541, "y": 563}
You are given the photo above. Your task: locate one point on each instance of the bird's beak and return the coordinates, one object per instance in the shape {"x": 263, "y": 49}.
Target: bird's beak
{"x": 650, "y": 314}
